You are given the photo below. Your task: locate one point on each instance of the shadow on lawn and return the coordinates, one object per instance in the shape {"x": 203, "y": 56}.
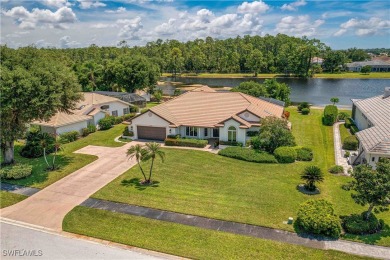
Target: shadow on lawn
{"x": 371, "y": 238}
{"x": 136, "y": 183}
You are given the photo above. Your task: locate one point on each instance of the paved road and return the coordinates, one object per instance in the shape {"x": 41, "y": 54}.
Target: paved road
{"x": 46, "y": 245}
{"x": 48, "y": 207}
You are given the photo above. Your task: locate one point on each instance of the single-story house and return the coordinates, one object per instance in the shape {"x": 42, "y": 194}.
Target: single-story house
{"x": 376, "y": 65}
{"x": 131, "y": 98}
{"x": 372, "y": 118}
{"x": 205, "y": 114}
{"x": 89, "y": 111}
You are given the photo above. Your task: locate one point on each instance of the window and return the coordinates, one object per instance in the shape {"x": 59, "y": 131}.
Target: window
{"x": 126, "y": 111}
{"x": 373, "y": 159}
{"x": 215, "y": 132}
{"x": 232, "y": 134}
{"x": 191, "y": 131}
{"x": 206, "y": 133}
{"x": 114, "y": 113}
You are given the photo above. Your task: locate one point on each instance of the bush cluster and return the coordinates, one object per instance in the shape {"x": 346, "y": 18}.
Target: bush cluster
{"x": 230, "y": 143}
{"x": 16, "y": 171}
{"x": 247, "y": 154}
{"x": 317, "y": 217}
{"x": 343, "y": 116}
{"x": 330, "y": 115}
{"x": 348, "y": 122}
{"x": 252, "y": 133}
{"x": 356, "y": 224}
{"x": 336, "y": 169}
{"x": 305, "y": 111}
{"x": 303, "y": 105}
{"x": 350, "y": 143}
{"x": 186, "y": 142}
{"x": 285, "y": 154}
{"x": 33, "y": 147}
{"x": 91, "y": 128}
{"x": 173, "y": 136}
{"x": 105, "y": 123}
{"x": 354, "y": 129}
{"x": 69, "y": 137}
{"x": 127, "y": 132}
{"x": 304, "y": 154}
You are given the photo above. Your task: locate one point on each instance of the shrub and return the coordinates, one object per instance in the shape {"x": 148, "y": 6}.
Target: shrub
{"x": 255, "y": 142}
{"x": 85, "y": 132}
{"x": 343, "y": 116}
{"x": 305, "y": 111}
{"x": 356, "y": 224}
{"x": 16, "y": 171}
{"x": 69, "y": 137}
{"x": 33, "y": 147}
{"x": 118, "y": 119}
{"x": 274, "y": 133}
{"x": 128, "y": 116}
{"x": 105, "y": 123}
{"x": 91, "y": 128}
{"x": 247, "y": 154}
{"x": 304, "y": 154}
{"x": 317, "y": 217}
{"x": 285, "y": 154}
{"x": 186, "y": 142}
{"x": 347, "y": 154}
{"x": 350, "y": 143}
{"x": 127, "y": 132}
{"x": 252, "y": 133}
{"x": 348, "y": 122}
{"x": 230, "y": 143}
{"x": 336, "y": 169}
{"x": 286, "y": 114}
{"x": 134, "y": 109}
{"x": 330, "y": 115}
{"x": 354, "y": 129}
{"x": 312, "y": 174}
{"x": 173, "y": 136}
{"x": 303, "y": 105}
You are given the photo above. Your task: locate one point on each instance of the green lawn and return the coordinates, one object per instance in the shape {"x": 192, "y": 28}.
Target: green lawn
{"x": 8, "y": 198}
{"x": 152, "y": 104}
{"x": 200, "y": 183}
{"x": 66, "y": 159}
{"x": 344, "y": 133}
{"x": 185, "y": 241}
{"x": 350, "y": 75}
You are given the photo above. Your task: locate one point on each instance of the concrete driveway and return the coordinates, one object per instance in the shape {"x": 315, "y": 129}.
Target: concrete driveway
{"x": 48, "y": 207}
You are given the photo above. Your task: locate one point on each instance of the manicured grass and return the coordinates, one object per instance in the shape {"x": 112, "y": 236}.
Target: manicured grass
{"x": 66, "y": 159}
{"x": 200, "y": 183}
{"x": 344, "y": 132}
{"x": 152, "y": 104}
{"x": 185, "y": 241}
{"x": 8, "y": 198}
{"x": 346, "y": 75}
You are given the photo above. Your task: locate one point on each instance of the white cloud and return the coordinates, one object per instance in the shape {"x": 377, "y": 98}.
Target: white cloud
{"x": 298, "y": 25}
{"x": 373, "y": 26}
{"x": 42, "y": 44}
{"x": 103, "y": 25}
{"x": 253, "y": 7}
{"x": 205, "y": 15}
{"x": 130, "y": 28}
{"x": 87, "y": 4}
{"x": 335, "y": 14}
{"x": 65, "y": 43}
{"x": 117, "y": 11}
{"x": 293, "y": 6}
{"x": 56, "y": 3}
{"x": 39, "y": 17}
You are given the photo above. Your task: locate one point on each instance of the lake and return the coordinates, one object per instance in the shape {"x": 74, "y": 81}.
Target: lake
{"x": 314, "y": 90}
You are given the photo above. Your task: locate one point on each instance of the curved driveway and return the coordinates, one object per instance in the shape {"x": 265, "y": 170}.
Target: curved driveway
{"x": 48, "y": 207}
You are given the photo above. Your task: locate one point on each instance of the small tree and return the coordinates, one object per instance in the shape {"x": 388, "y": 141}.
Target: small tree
{"x": 140, "y": 154}
{"x": 158, "y": 95}
{"x": 311, "y": 175}
{"x": 366, "y": 69}
{"x": 153, "y": 151}
{"x": 372, "y": 187}
{"x": 334, "y": 100}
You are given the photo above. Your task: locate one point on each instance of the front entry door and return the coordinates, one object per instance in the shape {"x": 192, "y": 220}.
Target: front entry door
{"x": 215, "y": 132}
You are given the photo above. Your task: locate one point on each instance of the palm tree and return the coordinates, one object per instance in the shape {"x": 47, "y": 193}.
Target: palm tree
{"x": 140, "y": 154}
{"x": 44, "y": 141}
{"x": 311, "y": 175}
{"x": 57, "y": 147}
{"x": 154, "y": 150}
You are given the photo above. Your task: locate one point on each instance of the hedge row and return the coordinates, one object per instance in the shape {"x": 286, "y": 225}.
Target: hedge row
{"x": 88, "y": 130}
{"x": 69, "y": 137}
{"x": 285, "y": 154}
{"x": 247, "y": 154}
{"x": 304, "y": 154}
{"x": 230, "y": 143}
{"x": 186, "y": 142}
{"x": 109, "y": 121}
{"x": 350, "y": 143}
{"x": 16, "y": 171}
{"x": 330, "y": 115}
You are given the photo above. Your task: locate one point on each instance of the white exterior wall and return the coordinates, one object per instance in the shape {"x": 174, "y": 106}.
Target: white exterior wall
{"x": 97, "y": 117}
{"x": 47, "y": 129}
{"x": 249, "y": 117}
{"x": 201, "y": 135}
{"x": 372, "y": 159}
{"x": 241, "y": 133}
{"x": 73, "y": 127}
{"x": 361, "y": 122}
{"x": 113, "y": 106}
{"x": 148, "y": 119}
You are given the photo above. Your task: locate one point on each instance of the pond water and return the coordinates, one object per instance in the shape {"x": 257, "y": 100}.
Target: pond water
{"x": 316, "y": 91}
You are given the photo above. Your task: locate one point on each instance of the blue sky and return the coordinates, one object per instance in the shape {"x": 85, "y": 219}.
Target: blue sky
{"x": 80, "y": 23}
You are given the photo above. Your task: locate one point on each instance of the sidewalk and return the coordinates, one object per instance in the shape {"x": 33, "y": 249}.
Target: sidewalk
{"x": 338, "y": 150}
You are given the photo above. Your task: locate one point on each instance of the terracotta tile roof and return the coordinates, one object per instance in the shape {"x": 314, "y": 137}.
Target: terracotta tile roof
{"x": 207, "y": 109}
{"x": 377, "y": 110}
{"x": 62, "y": 119}
{"x": 204, "y": 89}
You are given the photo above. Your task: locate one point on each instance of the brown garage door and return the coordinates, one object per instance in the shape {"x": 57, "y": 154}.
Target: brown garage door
{"x": 152, "y": 133}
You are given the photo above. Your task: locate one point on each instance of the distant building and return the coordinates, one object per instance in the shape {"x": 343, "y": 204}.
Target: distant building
{"x": 317, "y": 60}
{"x": 372, "y": 117}
{"x": 376, "y": 65}
{"x": 131, "y": 98}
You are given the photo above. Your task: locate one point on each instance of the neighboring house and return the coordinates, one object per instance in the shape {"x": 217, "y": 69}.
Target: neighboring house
{"x": 131, "y": 98}
{"x": 205, "y": 114}
{"x": 317, "y": 60}
{"x": 88, "y": 112}
{"x": 376, "y": 65}
{"x": 372, "y": 117}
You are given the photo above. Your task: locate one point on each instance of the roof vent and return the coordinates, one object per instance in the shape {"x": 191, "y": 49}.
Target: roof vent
{"x": 387, "y": 92}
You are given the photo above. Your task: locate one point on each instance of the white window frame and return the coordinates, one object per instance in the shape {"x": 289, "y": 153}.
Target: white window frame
{"x": 192, "y": 131}
{"x": 232, "y": 132}
{"x": 114, "y": 112}
{"x": 126, "y": 111}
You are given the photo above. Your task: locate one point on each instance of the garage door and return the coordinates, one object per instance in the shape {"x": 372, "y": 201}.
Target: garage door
{"x": 152, "y": 133}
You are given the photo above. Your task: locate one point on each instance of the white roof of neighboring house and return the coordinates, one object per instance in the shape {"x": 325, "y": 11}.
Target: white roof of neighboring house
{"x": 207, "y": 108}
{"x": 368, "y": 63}
{"x": 377, "y": 110}
{"x": 84, "y": 110}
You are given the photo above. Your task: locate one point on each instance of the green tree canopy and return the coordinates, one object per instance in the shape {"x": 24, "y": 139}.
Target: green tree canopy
{"x": 251, "y": 88}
